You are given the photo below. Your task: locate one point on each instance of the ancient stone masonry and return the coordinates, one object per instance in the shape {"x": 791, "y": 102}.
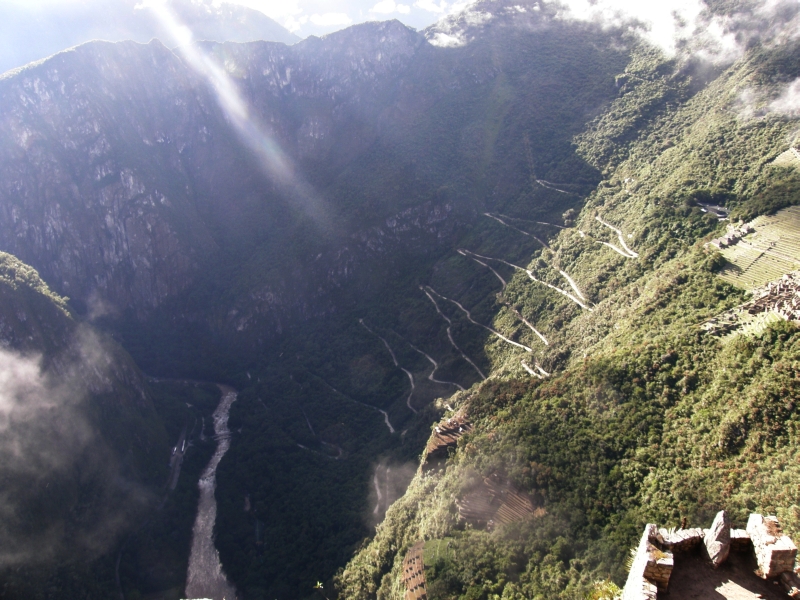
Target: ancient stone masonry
{"x": 681, "y": 540}
{"x": 496, "y": 502}
{"x": 651, "y": 567}
{"x": 717, "y": 539}
{"x": 775, "y": 552}
{"x": 446, "y": 436}
{"x": 654, "y": 560}
{"x": 740, "y": 541}
{"x": 781, "y": 297}
{"x": 734, "y": 234}
{"x": 414, "y": 573}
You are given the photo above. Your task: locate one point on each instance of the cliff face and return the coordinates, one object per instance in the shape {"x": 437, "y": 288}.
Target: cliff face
{"x": 93, "y": 175}
{"x": 121, "y": 176}
{"x": 132, "y": 175}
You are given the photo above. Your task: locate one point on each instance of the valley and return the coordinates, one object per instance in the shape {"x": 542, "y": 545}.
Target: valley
{"x": 497, "y": 254}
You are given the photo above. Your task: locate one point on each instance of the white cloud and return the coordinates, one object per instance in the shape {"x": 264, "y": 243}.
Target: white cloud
{"x": 330, "y": 19}
{"x": 665, "y": 22}
{"x": 689, "y": 25}
{"x": 294, "y": 24}
{"x": 446, "y": 40}
{"x": 431, "y": 6}
{"x": 386, "y": 7}
{"x": 788, "y": 102}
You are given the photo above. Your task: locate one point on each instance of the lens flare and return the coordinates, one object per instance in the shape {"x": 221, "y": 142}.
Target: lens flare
{"x": 273, "y": 160}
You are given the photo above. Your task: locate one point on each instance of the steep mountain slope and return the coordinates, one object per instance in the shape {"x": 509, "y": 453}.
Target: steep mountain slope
{"x": 248, "y": 250}
{"x": 33, "y": 31}
{"x": 360, "y": 158}
{"x": 82, "y": 448}
{"x": 645, "y": 418}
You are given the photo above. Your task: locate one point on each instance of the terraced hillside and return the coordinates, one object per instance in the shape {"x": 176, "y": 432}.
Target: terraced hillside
{"x": 772, "y": 250}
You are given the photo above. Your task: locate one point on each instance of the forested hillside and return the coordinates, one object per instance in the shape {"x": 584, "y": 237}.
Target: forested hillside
{"x": 80, "y": 441}
{"x": 645, "y": 417}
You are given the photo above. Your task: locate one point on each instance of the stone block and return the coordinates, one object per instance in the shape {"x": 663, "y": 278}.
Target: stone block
{"x": 775, "y": 552}
{"x": 651, "y": 568}
{"x": 717, "y": 539}
{"x": 791, "y": 584}
{"x": 681, "y": 540}
{"x": 740, "y": 541}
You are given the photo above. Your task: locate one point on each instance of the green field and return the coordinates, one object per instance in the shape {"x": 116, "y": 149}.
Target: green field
{"x": 767, "y": 254}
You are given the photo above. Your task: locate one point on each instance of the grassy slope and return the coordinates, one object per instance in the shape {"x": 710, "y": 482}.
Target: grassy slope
{"x": 649, "y": 420}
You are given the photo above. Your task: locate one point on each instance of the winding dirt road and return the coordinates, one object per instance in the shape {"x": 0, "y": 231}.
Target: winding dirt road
{"x": 541, "y": 372}
{"x": 630, "y": 253}
{"x": 435, "y": 367}
{"x": 533, "y": 278}
{"x": 528, "y": 221}
{"x": 471, "y": 320}
{"x": 573, "y": 285}
{"x": 369, "y": 406}
{"x": 396, "y": 364}
{"x": 450, "y": 334}
{"x": 524, "y": 320}
{"x": 473, "y": 256}
{"x": 499, "y": 220}
{"x": 529, "y": 370}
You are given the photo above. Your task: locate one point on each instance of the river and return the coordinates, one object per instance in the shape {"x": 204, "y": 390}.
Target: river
{"x": 205, "y": 578}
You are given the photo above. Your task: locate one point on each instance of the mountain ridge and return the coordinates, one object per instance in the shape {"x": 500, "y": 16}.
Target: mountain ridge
{"x": 58, "y": 28}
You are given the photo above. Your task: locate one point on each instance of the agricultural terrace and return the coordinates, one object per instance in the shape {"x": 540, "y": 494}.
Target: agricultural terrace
{"x": 768, "y": 253}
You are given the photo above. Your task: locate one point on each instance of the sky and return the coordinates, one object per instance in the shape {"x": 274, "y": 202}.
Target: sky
{"x": 318, "y": 17}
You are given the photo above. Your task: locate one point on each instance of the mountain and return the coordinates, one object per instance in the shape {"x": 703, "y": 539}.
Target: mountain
{"x": 156, "y": 176}
{"x": 31, "y": 32}
{"x": 485, "y": 241}
{"x": 82, "y": 446}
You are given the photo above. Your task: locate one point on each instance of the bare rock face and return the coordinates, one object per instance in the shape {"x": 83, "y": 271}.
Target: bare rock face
{"x": 718, "y": 539}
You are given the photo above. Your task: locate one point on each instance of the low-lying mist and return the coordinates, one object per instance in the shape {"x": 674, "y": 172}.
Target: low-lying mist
{"x": 389, "y": 481}
{"x": 61, "y": 488}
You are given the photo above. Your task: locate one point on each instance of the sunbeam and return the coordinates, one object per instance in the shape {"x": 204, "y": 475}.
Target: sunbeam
{"x": 275, "y": 163}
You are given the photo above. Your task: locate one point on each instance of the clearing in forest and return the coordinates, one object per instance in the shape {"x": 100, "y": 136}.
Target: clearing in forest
{"x": 790, "y": 158}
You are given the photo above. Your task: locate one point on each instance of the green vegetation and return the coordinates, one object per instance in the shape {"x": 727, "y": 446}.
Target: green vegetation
{"x": 646, "y": 419}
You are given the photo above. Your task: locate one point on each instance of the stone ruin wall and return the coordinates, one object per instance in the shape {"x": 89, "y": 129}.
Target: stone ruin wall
{"x": 653, "y": 562}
